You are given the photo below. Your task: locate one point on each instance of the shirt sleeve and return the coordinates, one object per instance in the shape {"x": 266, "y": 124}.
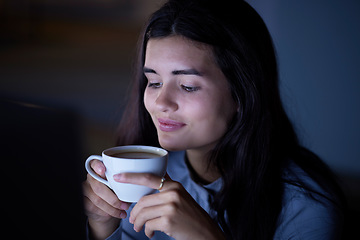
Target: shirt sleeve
{"x": 303, "y": 217}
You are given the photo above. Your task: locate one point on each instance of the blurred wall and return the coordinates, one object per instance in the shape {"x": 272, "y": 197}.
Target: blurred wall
{"x": 318, "y": 49}
{"x": 72, "y": 54}
{"x": 78, "y": 54}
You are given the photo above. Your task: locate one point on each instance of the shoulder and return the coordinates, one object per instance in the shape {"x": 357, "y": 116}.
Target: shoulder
{"x": 307, "y": 214}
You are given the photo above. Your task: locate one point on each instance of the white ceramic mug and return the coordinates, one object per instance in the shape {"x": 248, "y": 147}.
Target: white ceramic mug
{"x": 134, "y": 158}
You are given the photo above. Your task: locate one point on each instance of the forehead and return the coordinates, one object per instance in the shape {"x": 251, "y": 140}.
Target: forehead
{"x": 179, "y": 50}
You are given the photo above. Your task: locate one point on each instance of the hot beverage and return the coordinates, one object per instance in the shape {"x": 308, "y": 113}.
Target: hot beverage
{"x": 134, "y": 159}
{"x": 135, "y": 155}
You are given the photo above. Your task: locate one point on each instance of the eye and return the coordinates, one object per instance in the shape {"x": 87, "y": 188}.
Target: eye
{"x": 154, "y": 84}
{"x": 189, "y": 88}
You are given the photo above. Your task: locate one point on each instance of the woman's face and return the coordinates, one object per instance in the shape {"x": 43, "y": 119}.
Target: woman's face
{"x": 187, "y": 95}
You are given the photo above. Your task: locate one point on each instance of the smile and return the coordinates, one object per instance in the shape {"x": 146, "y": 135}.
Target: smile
{"x": 168, "y": 125}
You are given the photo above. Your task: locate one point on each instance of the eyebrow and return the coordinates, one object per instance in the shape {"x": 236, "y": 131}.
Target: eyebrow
{"x": 149, "y": 70}
{"x": 190, "y": 71}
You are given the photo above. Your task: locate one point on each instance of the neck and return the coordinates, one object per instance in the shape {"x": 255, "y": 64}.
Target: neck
{"x": 198, "y": 161}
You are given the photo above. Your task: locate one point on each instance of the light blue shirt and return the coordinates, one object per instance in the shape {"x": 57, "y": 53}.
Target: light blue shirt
{"x": 301, "y": 217}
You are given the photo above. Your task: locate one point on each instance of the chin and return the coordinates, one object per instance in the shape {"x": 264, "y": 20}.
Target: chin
{"x": 171, "y": 146}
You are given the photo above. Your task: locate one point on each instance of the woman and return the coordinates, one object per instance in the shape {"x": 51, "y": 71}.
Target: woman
{"x": 206, "y": 89}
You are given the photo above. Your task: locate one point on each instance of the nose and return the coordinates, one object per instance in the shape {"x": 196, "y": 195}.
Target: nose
{"x": 166, "y": 100}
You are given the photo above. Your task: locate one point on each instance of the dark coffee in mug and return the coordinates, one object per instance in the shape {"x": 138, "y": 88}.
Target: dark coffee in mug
{"x": 135, "y": 155}
{"x": 135, "y": 159}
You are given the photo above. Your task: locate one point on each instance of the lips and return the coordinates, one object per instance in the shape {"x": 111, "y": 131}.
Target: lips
{"x": 168, "y": 125}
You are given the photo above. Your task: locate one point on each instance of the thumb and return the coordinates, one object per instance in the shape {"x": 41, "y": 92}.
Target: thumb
{"x": 98, "y": 167}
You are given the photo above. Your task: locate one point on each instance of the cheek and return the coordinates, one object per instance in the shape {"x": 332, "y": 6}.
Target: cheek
{"x": 213, "y": 116}
{"x": 207, "y": 115}
{"x": 148, "y": 101}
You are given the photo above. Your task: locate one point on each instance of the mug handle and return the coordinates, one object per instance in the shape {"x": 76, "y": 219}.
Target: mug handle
{"x": 92, "y": 173}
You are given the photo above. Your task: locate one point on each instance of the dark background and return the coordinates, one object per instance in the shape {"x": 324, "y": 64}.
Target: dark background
{"x": 77, "y": 56}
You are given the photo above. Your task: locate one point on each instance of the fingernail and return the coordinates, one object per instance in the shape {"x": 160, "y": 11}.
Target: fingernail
{"x": 118, "y": 177}
{"x": 99, "y": 170}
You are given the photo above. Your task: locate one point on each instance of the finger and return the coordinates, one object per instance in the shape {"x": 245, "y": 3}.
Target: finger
{"x": 104, "y": 202}
{"x": 103, "y": 206}
{"x": 145, "y": 179}
{"x": 106, "y": 194}
{"x": 149, "y": 213}
{"x": 98, "y": 167}
{"x": 157, "y": 224}
{"x": 157, "y": 199}
{"x": 92, "y": 211}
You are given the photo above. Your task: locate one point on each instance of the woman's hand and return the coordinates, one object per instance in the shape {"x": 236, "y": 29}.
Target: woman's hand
{"x": 172, "y": 211}
{"x": 103, "y": 208}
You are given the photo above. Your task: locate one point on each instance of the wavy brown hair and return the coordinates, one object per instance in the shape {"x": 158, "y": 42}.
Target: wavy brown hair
{"x": 260, "y": 141}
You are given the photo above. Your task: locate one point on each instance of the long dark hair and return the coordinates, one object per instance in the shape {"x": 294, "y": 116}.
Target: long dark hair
{"x": 260, "y": 141}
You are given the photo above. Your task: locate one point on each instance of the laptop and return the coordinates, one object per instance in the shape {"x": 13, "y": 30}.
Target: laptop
{"x": 41, "y": 172}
